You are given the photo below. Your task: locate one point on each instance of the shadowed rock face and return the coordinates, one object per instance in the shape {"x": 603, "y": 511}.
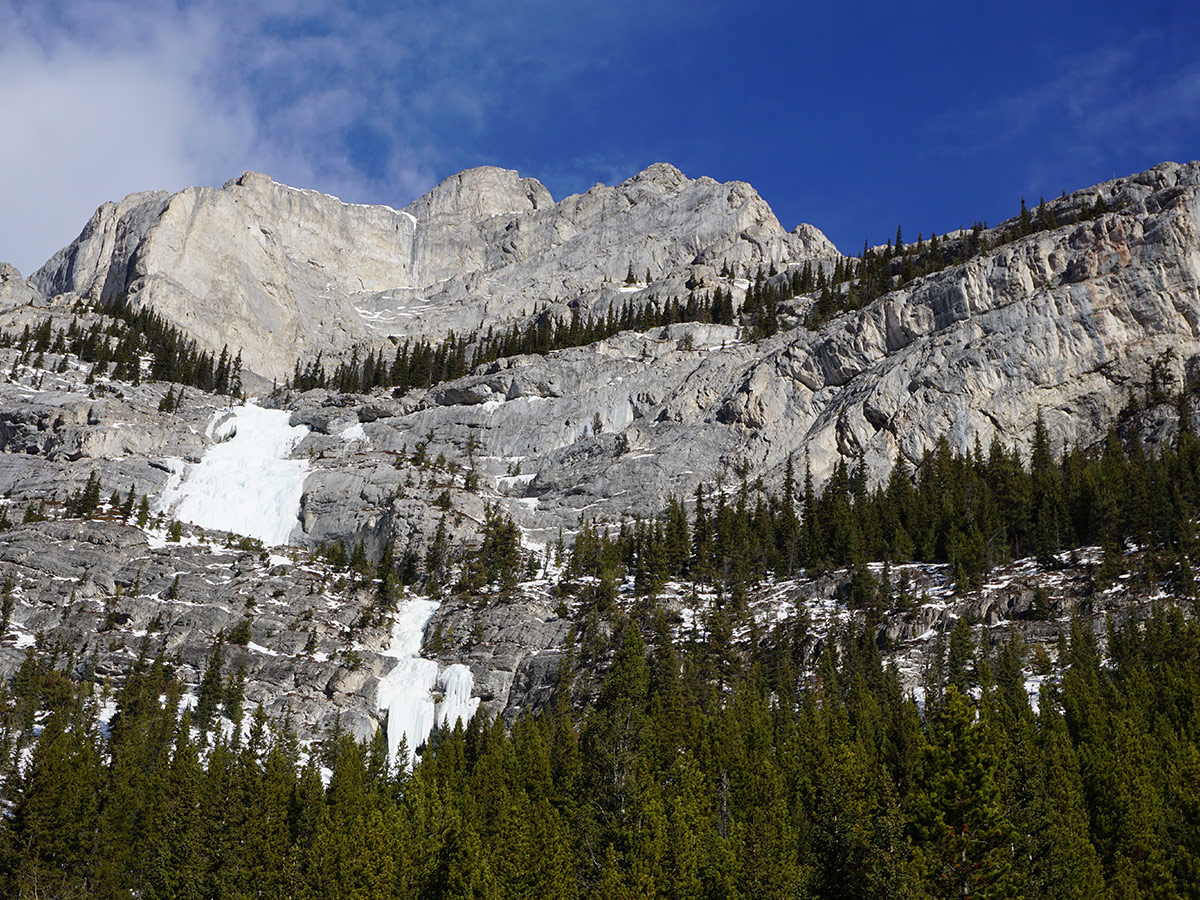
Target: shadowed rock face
{"x": 284, "y": 273}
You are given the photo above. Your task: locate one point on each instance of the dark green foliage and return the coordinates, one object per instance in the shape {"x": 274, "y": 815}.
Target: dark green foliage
{"x": 660, "y": 787}
{"x": 420, "y": 364}
{"x": 7, "y": 601}
{"x": 208, "y": 700}
{"x": 963, "y": 837}
{"x": 116, "y": 343}
{"x": 83, "y": 503}
{"x": 240, "y": 633}
{"x": 498, "y": 560}
{"x": 972, "y": 511}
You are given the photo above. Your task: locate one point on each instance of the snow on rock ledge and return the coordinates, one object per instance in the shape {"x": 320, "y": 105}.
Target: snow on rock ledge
{"x": 246, "y": 483}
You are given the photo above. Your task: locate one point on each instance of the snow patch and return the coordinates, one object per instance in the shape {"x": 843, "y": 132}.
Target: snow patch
{"x": 245, "y": 484}
{"x": 354, "y": 433}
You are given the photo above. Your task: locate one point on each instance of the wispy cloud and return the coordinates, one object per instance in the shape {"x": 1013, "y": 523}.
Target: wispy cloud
{"x": 1107, "y": 106}
{"x": 370, "y": 101}
{"x": 91, "y": 117}
{"x": 105, "y": 97}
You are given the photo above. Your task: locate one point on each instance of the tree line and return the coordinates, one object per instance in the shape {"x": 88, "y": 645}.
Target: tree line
{"x": 973, "y": 510}
{"x": 674, "y": 774}
{"x": 423, "y": 364}
{"x": 116, "y": 342}
{"x": 877, "y": 270}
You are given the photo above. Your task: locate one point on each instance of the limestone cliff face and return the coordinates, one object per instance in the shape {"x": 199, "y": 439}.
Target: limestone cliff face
{"x": 95, "y": 264}
{"x": 284, "y": 274}
{"x": 1063, "y": 322}
{"x": 15, "y": 290}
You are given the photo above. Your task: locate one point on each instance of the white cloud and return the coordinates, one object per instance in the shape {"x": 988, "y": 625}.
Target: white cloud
{"x": 85, "y": 125}
{"x": 105, "y": 98}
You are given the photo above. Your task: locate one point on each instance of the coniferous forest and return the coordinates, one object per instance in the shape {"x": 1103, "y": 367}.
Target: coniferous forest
{"x": 681, "y": 765}
{"x": 686, "y": 776}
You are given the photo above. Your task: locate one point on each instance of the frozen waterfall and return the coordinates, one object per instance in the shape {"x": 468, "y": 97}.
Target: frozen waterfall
{"x": 246, "y": 483}
{"x": 407, "y": 691}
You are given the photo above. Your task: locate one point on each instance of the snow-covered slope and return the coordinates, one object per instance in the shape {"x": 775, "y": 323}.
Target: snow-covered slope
{"x": 246, "y": 483}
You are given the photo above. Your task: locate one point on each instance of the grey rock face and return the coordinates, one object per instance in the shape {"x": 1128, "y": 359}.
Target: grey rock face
{"x": 1064, "y": 323}
{"x": 103, "y": 589}
{"x": 283, "y": 274}
{"x": 15, "y": 290}
{"x": 316, "y": 645}
{"x": 110, "y": 238}
{"x": 512, "y": 645}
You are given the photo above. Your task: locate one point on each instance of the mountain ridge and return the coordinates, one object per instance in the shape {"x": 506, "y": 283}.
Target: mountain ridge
{"x": 1048, "y": 325}
{"x": 284, "y": 272}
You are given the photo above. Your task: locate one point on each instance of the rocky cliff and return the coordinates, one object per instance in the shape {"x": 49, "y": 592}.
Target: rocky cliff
{"x": 1065, "y": 323}
{"x": 1066, "y": 320}
{"x": 284, "y": 274}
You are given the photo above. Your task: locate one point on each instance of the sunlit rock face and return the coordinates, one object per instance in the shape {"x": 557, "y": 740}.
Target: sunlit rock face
{"x": 1065, "y": 323}
{"x": 283, "y": 273}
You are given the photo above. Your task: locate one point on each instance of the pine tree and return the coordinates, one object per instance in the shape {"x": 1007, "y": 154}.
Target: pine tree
{"x": 56, "y": 807}
{"x": 7, "y": 602}
{"x": 858, "y": 832}
{"x": 1047, "y": 500}
{"x": 964, "y": 837}
{"x": 208, "y": 699}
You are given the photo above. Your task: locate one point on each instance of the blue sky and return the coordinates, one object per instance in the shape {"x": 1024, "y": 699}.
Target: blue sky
{"x": 854, "y": 117}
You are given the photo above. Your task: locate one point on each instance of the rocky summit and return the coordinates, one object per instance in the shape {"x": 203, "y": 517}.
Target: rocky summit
{"x": 284, "y": 273}
{"x": 466, "y": 386}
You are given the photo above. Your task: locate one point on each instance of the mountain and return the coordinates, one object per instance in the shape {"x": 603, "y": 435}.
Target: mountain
{"x": 271, "y": 520}
{"x": 285, "y": 274}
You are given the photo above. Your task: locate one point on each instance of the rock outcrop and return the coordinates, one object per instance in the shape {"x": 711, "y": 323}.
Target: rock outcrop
{"x": 284, "y": 274}
{"x": 15, "y": 290}
{"x": 310, "y": 649}
{"x": 1064, "y": 323}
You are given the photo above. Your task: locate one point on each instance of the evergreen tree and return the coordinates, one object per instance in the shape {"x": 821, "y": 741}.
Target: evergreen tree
{"x": 964, "y": 838}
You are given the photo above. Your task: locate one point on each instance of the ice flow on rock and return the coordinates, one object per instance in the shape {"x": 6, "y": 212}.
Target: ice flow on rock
{"x": 407, "y": 691}
{"x": 246, "y": 483}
